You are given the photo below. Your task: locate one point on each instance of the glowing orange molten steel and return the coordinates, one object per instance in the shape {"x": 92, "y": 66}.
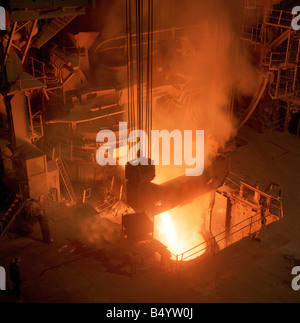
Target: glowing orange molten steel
{"x": 179, "y": 241}
{"x": 181, "y": 228}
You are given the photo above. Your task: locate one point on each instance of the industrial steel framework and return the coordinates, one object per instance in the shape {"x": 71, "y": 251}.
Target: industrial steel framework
{"x": 270, "y": 31}
{"x": 23, "y": 19}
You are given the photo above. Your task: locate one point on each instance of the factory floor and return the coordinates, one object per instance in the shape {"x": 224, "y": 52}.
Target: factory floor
{"x": 88, "y": 262}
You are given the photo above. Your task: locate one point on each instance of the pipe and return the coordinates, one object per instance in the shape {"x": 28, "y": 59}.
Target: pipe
{"x": 264, "y": 80}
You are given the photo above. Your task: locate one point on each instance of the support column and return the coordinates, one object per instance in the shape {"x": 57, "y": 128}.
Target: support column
{"x": 287, "y": 116}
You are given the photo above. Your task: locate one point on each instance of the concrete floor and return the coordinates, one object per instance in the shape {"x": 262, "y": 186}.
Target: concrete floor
{"x": 86, "y": 262}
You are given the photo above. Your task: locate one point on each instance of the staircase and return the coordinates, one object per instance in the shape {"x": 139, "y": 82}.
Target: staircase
{"x": 8, "y": 218}
{"x": 66, "y": 180}
{"x": 284, "y": 51}
{"x": 280, "y": 52}
{"x": 53, "y": 28}
{"x": 282, "y": 57}
{"x": 280, "y": 39}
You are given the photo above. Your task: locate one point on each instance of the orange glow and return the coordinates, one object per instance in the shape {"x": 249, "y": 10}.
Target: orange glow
{"x": 168, "y": 232}
{"x": 181, "y": 229}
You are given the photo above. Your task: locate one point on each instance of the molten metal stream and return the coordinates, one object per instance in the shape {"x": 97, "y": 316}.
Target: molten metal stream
{"x": 178, "y": 241}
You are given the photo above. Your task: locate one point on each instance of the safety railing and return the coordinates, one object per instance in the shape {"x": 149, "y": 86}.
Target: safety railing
{"x": 272, "y": 208}
{"x": 293, "y": 57}
{"x": 36, "y": 124}
{"x": 267, "y": 57}
{"x": 282, "y": 89}
{"x": 278, "y": 58}
{"x": 37, "y": 71}
{"x": 74, "y": 152}
{"x": 278, "y": 18}
{"x": 268, "y": 201}
{"x": 212, "y": 243}
{"x": 284, "y": 56}
{"x": 204, "y": 246}
{"x": 294, "y": 51}
{"x": 106, "y": 205}
{"x": 297, "y": 91}
{"x": 253, "y": 34}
